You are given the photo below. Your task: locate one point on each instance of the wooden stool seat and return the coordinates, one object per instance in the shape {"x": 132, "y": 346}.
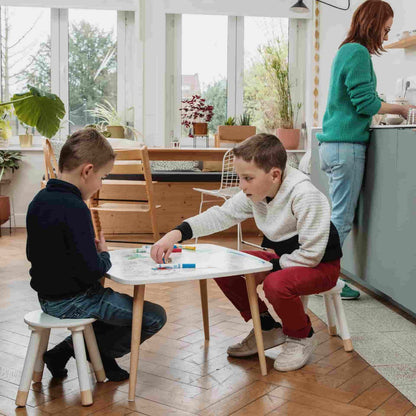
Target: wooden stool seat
{"x": 335, "y": 314}
{"x": 40, "y": 323}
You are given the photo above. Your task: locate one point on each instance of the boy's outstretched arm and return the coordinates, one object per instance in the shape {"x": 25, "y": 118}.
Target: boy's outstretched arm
{"x": 163, "y": 248}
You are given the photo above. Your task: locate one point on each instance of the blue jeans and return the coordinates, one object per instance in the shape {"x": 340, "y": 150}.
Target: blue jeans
{"x": 344, "y": 164}
{"x": 113, "y": 312}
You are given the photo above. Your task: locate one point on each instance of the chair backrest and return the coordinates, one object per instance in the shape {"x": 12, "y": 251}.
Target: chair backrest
{"x": 229, "y": 177}
{"x": 51, "y": 165}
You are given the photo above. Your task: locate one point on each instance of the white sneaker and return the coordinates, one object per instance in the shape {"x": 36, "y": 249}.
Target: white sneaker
{"x": 295, "y": 353}
{"x": 248, "y": 346}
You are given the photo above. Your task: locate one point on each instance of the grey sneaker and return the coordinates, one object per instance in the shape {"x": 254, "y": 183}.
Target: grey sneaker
{"x": 295, "y": 353}
{"x": 248, "y": 345}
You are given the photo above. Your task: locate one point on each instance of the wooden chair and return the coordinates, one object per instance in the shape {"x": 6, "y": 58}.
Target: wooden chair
{"x": 51, "y": 165}
{"x": 119, "y": 197}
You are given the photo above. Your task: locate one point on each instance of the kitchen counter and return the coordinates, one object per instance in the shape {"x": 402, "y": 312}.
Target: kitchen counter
{"x": 380, "y": 251}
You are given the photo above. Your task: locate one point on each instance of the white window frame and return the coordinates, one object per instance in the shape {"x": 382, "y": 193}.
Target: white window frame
{"x": 235, "y": 69}
{"x": 129, "y": 50}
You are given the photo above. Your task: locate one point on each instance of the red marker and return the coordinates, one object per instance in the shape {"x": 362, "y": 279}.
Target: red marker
{"x": 177, "y": 250}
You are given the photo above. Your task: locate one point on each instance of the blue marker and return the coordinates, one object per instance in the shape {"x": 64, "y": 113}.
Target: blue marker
{"x": 174, "y": 266}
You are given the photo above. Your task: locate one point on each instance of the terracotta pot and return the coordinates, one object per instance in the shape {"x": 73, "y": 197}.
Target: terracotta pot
{"x": 116, "y": 131}
{"x": 4, "y": 209}
{"x": 26, "y": 140}
{"x": 200, "y": 129}
{"x": 289, "y": 138}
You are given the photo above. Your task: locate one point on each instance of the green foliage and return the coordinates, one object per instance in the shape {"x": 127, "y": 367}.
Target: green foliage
{"x": 275, "y": 60}
{"x": 107, "y": 114}
{"x": 216, "y": 95}
{"x": 39, "y": 109}
{"x": 244, "y": 119}
{"x": 230, "y": 121}
{"x": 9, "y": 160}
{"x": 92, "y": 65}
{"x": 5, "y": 114}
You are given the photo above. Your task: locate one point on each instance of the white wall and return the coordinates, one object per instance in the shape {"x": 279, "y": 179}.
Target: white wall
{"x": 391, "y": 65}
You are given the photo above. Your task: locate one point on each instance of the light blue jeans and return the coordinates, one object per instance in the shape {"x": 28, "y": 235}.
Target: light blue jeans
{"x": 344, "y": 164}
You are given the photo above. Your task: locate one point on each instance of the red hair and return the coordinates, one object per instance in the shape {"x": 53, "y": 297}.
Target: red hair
{"x": 367, "y": 25}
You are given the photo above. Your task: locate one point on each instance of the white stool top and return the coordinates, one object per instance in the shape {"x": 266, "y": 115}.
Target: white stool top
{"x": 43, "y": 320}
{"x": 336, "y": 289}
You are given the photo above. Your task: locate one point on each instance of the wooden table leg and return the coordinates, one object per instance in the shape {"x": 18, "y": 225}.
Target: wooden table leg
{"x": 204, "y": 304}
{"x": 255, "y": 315}
{"x": 136, "y": 330}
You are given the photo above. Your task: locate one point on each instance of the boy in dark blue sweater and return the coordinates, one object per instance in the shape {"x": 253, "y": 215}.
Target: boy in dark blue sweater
{"x": 68, "y": 262}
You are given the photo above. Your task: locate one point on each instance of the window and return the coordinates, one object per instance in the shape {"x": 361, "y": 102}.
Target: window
{"x": 85, "y": 56}
{"x": 259, "y": 98}
{"x": 92, "y": 63}
{"x": 204, "y": 63}
{"x": 25, "y": 52}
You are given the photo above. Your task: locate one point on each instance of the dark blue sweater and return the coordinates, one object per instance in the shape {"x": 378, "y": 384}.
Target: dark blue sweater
{"x": 60, "y": 243}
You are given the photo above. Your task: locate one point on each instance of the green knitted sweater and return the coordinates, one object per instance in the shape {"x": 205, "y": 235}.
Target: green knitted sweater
{"x": 352, "y": 98}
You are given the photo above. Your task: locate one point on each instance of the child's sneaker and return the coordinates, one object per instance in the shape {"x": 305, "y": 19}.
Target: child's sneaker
{"x": 248, "y": 346}
{"x": 295, "y": 353}
{"x": 348, "y": 293}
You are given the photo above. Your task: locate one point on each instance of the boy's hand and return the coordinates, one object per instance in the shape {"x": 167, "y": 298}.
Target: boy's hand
{"x": 161, "y": 249}
{"x": 100, "y": 243}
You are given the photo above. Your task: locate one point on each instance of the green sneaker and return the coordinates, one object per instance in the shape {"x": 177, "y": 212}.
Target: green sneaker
{"x": 349, "y": 293}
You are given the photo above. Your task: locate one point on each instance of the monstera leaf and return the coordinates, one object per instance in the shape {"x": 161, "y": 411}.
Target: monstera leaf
{"x": 39, "y": 109}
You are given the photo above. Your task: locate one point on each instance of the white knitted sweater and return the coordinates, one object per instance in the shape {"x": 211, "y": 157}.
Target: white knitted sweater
{"x": 297, "y": 209}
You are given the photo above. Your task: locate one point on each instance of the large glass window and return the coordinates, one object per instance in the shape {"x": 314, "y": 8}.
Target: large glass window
{"x": 25, "y": 53}
{"x": 262, "y": 35}
{"x": 204, "y": 62}
{"x": 92, "y": 64}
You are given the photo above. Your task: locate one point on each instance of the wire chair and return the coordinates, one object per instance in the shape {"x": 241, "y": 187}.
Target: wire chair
{"x": 228, "y": 188}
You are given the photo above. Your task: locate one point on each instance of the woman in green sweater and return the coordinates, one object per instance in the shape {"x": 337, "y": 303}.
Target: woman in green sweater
{"x": 352, "y": 101}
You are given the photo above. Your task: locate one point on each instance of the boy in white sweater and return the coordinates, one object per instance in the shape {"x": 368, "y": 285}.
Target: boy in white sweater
{"x": 295, "y": 220}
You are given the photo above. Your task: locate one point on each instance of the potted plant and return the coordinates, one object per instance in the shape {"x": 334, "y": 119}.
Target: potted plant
{"x": 112, "y": 122}
{"x": 26, "y": 140}
{"x": 232, "y": 133}
{"x": 39, "y": 109}
{"x": 9, "y": 162}
{"x": 275, "y": 59}
{"x": 196, "y": 113}
{"x": 5, "y": 128}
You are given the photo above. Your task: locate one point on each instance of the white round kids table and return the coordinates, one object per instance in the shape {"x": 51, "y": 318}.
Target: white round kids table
{"x": 134, "y": 267}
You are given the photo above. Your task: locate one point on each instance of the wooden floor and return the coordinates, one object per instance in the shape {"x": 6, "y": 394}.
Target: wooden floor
{"x": 179, "y": 374}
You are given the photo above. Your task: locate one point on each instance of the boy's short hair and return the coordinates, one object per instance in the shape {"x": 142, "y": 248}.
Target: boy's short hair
{"x": 266, "y": 150}
{"x": 85, "y": 146}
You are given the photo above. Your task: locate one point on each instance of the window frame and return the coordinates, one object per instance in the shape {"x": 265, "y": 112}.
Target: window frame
{"x": 129, "y": 67}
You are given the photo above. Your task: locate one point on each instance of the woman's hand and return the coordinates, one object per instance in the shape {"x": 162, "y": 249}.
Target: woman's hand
{"x": 100, "y": 243}
{"x": 161, "y": 250}
{"x": 405, "y": 111}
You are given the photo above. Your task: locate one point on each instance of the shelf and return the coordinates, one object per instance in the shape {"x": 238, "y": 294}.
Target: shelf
{"x": 403, "y": 43}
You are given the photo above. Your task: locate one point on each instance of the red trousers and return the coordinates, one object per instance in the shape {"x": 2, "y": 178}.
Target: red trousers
{"x": 279, "y": 292}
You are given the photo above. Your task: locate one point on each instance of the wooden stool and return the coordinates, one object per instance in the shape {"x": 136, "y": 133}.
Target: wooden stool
{"x": 40, "y": 323}
{"x": 335, "y": 314}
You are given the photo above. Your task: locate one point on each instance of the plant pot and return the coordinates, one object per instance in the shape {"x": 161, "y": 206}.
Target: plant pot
{"x": 200, "y": 129}
{"x": 4, "y": 209}
{"x": 289, "y": 138}
{"x": 235, "y": 133}
{"x": 116, "y": 131}
{"x": 26, "y": 140}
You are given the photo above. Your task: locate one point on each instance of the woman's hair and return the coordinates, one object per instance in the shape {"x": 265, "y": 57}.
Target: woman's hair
{"x": 85, "y": 146}
{"x": 367, "y": 25}
{"x": 266, "y": 150}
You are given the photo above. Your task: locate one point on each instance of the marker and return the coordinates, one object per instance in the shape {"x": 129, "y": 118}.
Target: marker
{"x": 177, "y": 250}
{"x": 174, "y": 266}
{"x": 184, "y": 247}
